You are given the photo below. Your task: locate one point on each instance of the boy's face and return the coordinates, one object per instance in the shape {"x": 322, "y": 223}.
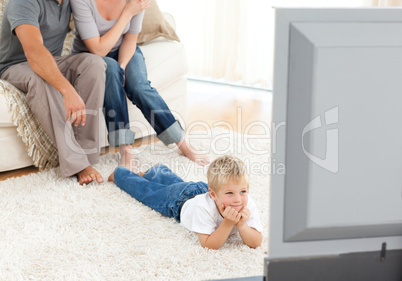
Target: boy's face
{"x": 231, "y": 194}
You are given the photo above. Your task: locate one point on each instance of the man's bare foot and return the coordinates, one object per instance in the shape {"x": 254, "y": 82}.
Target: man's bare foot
{"x": 191, "y": 153}
{"x": 127, "y": 157}
{"x": 88, "y": 175}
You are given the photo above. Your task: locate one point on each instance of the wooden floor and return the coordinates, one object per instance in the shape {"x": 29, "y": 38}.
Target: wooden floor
{"x": 241, "y": 109}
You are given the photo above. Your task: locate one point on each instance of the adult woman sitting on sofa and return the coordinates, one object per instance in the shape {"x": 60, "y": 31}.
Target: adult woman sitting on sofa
{"x": 110, "y": 29}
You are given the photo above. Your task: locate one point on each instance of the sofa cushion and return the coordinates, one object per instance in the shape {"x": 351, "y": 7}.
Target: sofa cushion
{"x": 165, "y": 60}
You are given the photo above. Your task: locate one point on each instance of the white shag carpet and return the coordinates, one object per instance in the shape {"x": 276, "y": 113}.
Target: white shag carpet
{"x": 54, "y": 229}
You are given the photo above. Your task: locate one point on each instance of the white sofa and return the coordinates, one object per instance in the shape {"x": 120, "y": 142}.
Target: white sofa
{"x": 166, "y": 64}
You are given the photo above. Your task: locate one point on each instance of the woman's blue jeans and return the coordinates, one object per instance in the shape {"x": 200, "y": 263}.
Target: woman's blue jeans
{"x": 159, "y": 189}
{"x": 139, "y": 91}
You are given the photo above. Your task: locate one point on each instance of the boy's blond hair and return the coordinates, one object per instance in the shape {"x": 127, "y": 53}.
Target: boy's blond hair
{"x": 226, "y": 169}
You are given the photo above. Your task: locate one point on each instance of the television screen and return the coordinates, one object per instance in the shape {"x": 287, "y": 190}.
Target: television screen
{"x": 337, "y": 130}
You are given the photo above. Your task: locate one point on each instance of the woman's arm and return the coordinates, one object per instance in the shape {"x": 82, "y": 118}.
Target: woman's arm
{"x": 101, "y": 45}
{"x": 127, "y": 49}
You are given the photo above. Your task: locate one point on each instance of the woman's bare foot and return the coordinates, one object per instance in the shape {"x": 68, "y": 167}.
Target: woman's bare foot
{"x": 88, "y": 175}
{"x": 191, "y": 153}
{"x": 127, "y": 157}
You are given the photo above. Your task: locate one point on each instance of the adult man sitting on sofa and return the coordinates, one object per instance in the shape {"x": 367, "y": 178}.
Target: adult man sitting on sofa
{"x": 65, "y": 93}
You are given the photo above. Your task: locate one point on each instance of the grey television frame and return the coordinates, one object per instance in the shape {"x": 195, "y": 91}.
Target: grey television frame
{"x": 337, "y": 69}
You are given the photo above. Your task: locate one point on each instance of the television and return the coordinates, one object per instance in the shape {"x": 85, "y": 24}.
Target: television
{"x": 336, "y": 211}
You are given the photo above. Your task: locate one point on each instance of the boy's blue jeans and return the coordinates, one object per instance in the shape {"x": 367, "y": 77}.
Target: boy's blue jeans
{"x": 139, "y": 91}
{"x": 159, "y": 189}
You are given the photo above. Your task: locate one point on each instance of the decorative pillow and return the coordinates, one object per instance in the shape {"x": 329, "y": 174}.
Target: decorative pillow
{"x": 155, "y": 25}
{"x": 71, "y": 25}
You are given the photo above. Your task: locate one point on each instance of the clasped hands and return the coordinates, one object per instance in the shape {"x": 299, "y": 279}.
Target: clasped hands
{"x": 236, "y": 217}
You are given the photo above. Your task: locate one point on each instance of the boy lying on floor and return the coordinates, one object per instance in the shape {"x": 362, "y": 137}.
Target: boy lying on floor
{"x": 213, "y": 212}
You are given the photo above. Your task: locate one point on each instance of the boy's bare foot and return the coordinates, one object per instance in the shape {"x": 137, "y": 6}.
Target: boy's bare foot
{"x": 127, "y": 157}
{"x": 191, "y": 153}
{"x": 88, "y": 175}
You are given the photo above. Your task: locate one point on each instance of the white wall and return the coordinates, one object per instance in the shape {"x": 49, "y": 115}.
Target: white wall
{"x": 253, "y": 58}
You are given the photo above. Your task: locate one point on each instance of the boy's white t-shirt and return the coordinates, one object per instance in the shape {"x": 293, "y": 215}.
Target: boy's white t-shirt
{"x": 200, "y": 214}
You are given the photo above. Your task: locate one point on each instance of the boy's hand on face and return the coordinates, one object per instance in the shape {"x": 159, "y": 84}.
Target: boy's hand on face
{"x": 230, "y": 214}
{"x": 244, "y": 216}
